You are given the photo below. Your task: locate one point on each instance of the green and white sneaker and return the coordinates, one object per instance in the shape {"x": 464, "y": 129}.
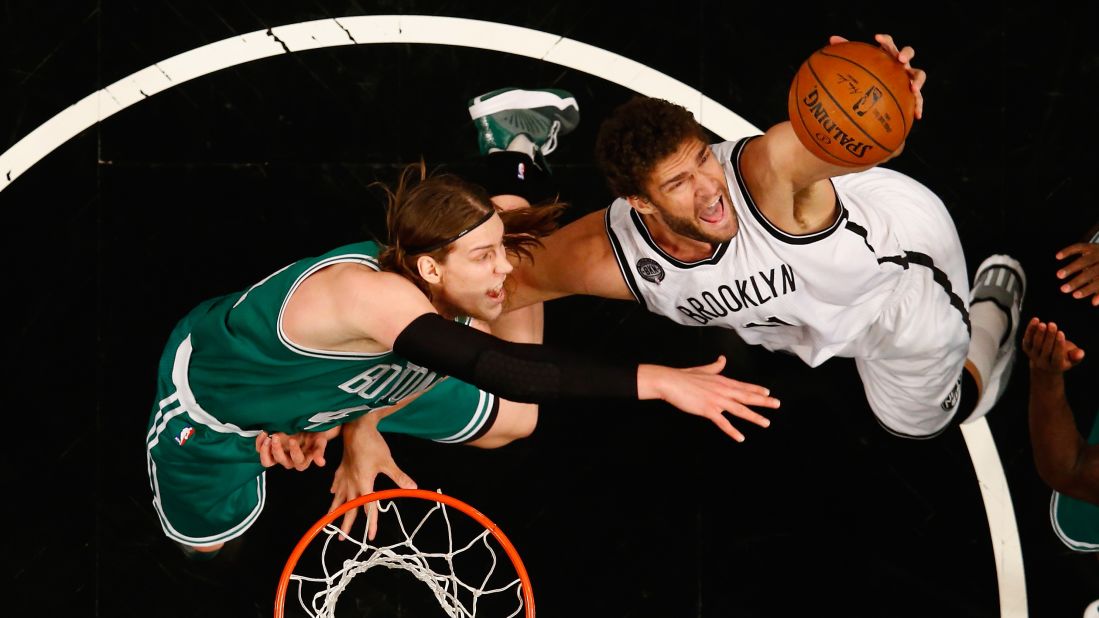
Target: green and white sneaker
{"x": 542, "y": 115}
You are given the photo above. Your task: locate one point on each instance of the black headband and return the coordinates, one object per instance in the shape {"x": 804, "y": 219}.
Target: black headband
{"x": 443, "y": 243}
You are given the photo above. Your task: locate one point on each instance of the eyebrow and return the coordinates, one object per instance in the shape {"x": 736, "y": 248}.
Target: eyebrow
{"x": 673, "y": 180}
{"x": 482, "y": 248}
{"x": 698, "y": 157}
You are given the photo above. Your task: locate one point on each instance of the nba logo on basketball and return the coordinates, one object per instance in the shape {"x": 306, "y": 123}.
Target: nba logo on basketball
{"x": 869, "y": 99}
{"x": 185, "y": 435}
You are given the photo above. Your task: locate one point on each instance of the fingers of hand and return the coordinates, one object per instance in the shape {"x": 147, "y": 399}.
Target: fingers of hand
{"x": 1080, "y": 248}
{"x": 724, "y": 424}
{"x": 301, "y": 462}
{"x": 835, "y": 39}
{"x": 919, "y": 77}
{"x": 1081, "y": 275}
{"x": 754, "y": 399}
{"x": 749, "y": 415}
{"x": 1086, "y": 284}
{"x": 279, "y": 454}
{"x": 1029, "y": 334}
{"x": 1070, "y": 269}
{"x": 371, "y": 520}
{"x": 263, "y": 447}
{"x": 886, "y": 42}
{"x": 906, "y": 55}
{"x": 348, "y": 521}
{"x": 398, "y": 476}
{"x": 1049, "y": 341}
{"x": 318, "y": 451}
{"x": 749, "y": 387}
{"x": 717, "y": 366}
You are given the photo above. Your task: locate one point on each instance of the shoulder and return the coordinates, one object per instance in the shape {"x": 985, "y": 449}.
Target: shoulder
{"x": 352, "y": 289}
{"x": 360, "y": 284}
{"x": 351, "y": 302}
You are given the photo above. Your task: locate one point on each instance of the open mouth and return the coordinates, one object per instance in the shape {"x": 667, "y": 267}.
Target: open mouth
{"x": 715, "y": 212}
{"x": 497, "y": 293}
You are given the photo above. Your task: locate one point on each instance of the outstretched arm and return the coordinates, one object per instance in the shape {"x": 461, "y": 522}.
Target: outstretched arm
{"x": 1064, "y": 460}
{"x": 785, "y": 166}
{"x": 383, "y": 311}
{"x": 537, "y": 374}
{"x": 576, "y": 259}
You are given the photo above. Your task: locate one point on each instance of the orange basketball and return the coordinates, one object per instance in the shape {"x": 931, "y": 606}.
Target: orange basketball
{"x": 851, "y": 104}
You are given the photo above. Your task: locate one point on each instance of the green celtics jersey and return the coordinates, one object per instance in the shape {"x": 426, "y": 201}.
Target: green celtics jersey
{"x": 238, "y": 370}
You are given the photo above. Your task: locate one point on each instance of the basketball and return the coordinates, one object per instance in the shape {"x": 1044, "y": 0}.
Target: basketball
{"x": 851, "y": 104}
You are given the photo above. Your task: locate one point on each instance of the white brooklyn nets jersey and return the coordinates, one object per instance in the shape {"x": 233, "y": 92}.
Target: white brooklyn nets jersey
{"x": 885, "y": 284}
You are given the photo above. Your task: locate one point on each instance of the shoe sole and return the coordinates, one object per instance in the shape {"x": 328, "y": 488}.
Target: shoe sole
{"x": 520, "y": 99}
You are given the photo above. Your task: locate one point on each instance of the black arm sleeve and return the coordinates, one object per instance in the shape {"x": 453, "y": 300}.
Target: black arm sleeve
{"x": 517, "y": 371}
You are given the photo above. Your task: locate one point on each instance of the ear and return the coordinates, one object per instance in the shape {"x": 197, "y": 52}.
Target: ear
{"x": 429, "y": 269}
{"x": 641, "y": 204}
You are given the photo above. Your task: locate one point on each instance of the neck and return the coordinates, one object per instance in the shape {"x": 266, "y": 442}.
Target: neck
{"x": 445, "y": 309}
{"x": 675, "y": 244}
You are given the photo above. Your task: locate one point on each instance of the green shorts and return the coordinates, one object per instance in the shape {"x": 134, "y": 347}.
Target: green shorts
{"x": 208, "y": 485}
{"x": 1076, "y": 522}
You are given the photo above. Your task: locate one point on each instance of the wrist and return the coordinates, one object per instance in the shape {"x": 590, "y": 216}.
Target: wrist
{"x": 650, "y": 384}
{"x": 370, "y": 419}
{"x": 1046, "y": 376}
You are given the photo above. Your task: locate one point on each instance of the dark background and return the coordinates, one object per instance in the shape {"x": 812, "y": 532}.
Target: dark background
{"x": 617, "y": 510}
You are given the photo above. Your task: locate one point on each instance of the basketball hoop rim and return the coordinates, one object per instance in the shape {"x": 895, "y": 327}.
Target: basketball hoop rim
{"x": 422, "y": 494}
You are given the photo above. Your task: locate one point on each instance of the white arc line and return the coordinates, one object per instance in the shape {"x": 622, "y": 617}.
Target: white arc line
{"x": 369, "y": 29}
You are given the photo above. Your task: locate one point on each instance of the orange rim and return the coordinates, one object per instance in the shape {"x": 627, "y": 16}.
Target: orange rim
{"x": 422, "y": 494}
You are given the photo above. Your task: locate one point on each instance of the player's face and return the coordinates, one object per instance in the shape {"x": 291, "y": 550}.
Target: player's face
{"x": 690, "y": 195}
{"x": 472, "y": 275}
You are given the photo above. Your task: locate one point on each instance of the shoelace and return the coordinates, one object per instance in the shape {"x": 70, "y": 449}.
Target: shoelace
{"x": 551, "y": 141}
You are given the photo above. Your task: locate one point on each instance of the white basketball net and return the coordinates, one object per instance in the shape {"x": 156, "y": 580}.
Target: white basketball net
{"x": 458, "y": 599}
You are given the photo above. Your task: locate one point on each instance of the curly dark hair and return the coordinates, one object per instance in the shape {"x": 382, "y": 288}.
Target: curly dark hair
{"x": 638, "y": 135}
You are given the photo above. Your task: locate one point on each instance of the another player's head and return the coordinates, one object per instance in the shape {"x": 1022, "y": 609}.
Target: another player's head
{"x": 656, "y": 155}
{"x": 447, "y": 238}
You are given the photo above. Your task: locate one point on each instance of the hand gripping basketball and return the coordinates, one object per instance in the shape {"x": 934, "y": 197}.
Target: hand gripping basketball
{"x": 853, "y": 104}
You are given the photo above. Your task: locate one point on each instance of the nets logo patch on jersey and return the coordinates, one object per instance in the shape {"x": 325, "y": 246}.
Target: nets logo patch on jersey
{"x": 650, "y": 270}
{"x": 952, "y": 399}
{"x": 185, "y": 435}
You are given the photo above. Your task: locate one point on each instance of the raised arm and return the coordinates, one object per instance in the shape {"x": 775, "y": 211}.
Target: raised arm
{"x": 789, "y": 166}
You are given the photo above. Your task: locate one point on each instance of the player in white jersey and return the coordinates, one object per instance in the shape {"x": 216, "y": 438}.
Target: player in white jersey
{"x": 795, "y": 254}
